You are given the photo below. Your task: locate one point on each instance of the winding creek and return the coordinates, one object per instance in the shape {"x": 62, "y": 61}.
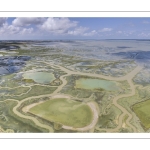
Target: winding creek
{"x": 68, "y": 72}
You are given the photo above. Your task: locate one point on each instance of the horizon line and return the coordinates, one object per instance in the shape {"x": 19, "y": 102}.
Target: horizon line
{"x": 65, "y": 39}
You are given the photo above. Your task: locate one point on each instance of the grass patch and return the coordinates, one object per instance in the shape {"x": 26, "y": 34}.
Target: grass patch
{"x": 142, "y": 110}
{"x": 109, "y": 120}
{"x": 64, "y": 111}
{"x": 36, "y": 90}
{"x": 8, "y": 120}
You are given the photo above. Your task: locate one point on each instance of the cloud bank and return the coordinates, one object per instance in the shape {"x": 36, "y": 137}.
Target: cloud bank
{"x": 67, "y": 28}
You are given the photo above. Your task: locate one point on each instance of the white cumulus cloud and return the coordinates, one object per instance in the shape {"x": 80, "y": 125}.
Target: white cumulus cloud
{"x": 2, "y": 20}
{"x": 26, "y": 31}
{"x": 105, "y": 30}
{"x": 9, "y": 29}
{"x": 26, "y": 21}
{"x": 46, "y": 27}
{"x": 57, "y": 25}
{"x": 13, "y": 30}
{"x": 119, "y": 32}
{"x": 78, "y": 31}
{"x": 91, "y": 33}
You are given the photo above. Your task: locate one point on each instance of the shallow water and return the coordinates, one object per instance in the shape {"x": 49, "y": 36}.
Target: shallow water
{"x": 40, "y": 77}
{"x": 96, "y": 84}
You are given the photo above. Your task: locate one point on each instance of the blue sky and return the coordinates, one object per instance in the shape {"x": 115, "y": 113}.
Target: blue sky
{"x": 74, "y": 28}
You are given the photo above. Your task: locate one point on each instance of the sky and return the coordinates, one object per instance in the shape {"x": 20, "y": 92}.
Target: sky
{"x": 48, "y": 28}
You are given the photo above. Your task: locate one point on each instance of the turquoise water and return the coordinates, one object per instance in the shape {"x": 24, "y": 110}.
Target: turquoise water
{"x": 96, "y": 84}
{"x": 40, "y": 77}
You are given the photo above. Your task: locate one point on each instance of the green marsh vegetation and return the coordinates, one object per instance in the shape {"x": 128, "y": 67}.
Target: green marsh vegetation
{"x": 35, "y": 91}
{"x": 64, "y": 111}
{"x": 142, "y": 110}
{"x": 8, "y": 120}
